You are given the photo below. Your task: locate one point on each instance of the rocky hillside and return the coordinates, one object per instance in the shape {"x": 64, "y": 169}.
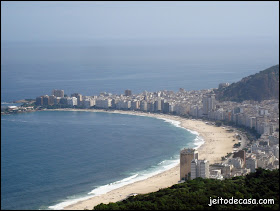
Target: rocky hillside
{"x": 260, "y": 86}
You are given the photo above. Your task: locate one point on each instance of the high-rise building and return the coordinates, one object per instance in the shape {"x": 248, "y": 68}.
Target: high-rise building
{"x": 45, "y": 100}
{"x": 58, "y": 93}
{"x": 51, "y": 100}
{"x": 114, "y": 103}
{"x": 186, "y": 157}
{"x": 72, "y": 101}
{"x": 208, "y": 102}
{"x": 251, "y": 163}
{"x": 88, "y": 102}
{"x": 143, "y": 105}
{"x": 199, "y": 168}
{"x": 157, "y": 105}
{"x": 57, "y": 100}
{"x": 166, "y": 107}
{"x": 79, "y": 98}
{"x": 151, "y": 106}
{"x": 203, "y": 168}
{"x": 193, "y": 168}
{"x": 241, "y": 154}
{"x": 127, "y": 92}
{"x": 39, "y": 100}
{"x": 63, "y": 101}
{"x": 135, "y": 105}
{"x": 162, "y": 105}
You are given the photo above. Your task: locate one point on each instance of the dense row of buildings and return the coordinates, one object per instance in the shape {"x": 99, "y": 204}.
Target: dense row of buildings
{"x": 240, "y": 164}
{"x": 262, "y": 116}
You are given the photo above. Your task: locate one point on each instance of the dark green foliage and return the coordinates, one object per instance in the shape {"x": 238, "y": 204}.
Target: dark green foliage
{"x": 218, "y": 123}
{"x": 195, "y": 194}
{"x": 236, "y": 145}
{"x": 261, "y": 86}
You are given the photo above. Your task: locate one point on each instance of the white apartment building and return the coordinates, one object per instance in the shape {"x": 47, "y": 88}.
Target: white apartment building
{"x": 251, "y": 163}
{"x": 72, "y": 101}
{"x": 199, "y": 168}
{"x": 236, "y": 162}
{"x": 89, "y": 102}
{"x": 103, "y": 103}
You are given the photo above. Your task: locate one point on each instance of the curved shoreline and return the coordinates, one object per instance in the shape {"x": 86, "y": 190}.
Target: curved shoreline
{"x": 217, "y": 143}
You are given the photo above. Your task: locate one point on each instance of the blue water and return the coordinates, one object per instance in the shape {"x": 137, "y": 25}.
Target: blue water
{"x": 30, "y": 70}
{"x": 50, "y": 156}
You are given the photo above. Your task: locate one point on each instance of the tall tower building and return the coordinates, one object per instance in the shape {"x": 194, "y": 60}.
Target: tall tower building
{"x": 79, "y": 98}
{"x": 39, "y": 100}
{"x": 186, "y": 157}
{"x": 46, "y": 100}
{"x": 208, "y": 102}
{"x": 203, "y": 168}
{"x": 51, "y": 100}
{"x": 157, "y": 105}
{"x": 127, "y": 92}
{"x": 241, "y": 154}
{"x": 143, "y": 105}
{"x": 58, "y": 93}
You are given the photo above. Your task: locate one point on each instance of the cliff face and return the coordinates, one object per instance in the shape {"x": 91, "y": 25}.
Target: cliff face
{"x": 260, "y": 86}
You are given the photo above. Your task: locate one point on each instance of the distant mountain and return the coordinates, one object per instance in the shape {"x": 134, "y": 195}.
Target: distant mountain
{"x": 260, "y": 86}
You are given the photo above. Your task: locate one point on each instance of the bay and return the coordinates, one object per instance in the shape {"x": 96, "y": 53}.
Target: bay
{"x": 50, "y": 157}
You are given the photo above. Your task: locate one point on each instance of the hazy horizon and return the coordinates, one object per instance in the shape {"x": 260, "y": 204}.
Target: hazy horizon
{"x": 51, "y": 21}
{"x": 63, "y": 44}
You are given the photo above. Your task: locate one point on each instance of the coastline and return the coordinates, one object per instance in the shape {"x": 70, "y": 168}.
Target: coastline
{"x": 217, "y": 143}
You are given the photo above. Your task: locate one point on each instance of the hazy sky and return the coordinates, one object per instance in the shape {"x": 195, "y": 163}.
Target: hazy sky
{"x": 51, "y": 21}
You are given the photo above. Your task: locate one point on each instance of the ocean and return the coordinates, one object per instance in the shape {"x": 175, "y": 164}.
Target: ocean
{"x": 29, "y": 70}
{"x": 50, "y": 159}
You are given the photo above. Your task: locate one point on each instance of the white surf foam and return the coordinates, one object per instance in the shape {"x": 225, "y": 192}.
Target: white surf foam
{"x": 198, "y": 141}
{"x": 106, "y": 188}
{"x": 173, "y": 122}
{"x": 159, "y": 168}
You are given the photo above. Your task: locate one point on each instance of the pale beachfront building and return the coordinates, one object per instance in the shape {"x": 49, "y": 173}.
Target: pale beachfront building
{"x": 72, "y": 101}
{"x": 251, "y": 163}
{"x": 199, "y": 168}
{"x": 186, "y": 157}
{"x": 58, "y": 93}
{"x": 89, "y": 102}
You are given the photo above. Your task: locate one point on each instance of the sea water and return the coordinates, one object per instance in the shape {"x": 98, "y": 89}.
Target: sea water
{"x": 29, "y": 70}
{"x": 50, "y": 159}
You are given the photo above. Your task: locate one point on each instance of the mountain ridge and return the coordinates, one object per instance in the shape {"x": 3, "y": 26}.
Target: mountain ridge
{"x": 263, "y": 85}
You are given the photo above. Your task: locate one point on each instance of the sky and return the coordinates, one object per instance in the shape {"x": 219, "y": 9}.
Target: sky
{"x": 74, "y": 21}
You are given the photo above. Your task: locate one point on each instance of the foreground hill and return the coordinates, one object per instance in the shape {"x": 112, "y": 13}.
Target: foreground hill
{"x": 261, "y": 86}
{"x": 195, "y": 194}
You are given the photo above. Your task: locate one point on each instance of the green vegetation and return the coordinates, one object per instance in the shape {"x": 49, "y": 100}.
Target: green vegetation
{"x": 53, "y": 106}
{"x": 195, "y": 194}
{"x": 260, "y": 86}
{"x": 237, "y": 145}
{"x": 28, "y": 104}
{"x": 218, "y": 123}
{"x": 227, "y": 156}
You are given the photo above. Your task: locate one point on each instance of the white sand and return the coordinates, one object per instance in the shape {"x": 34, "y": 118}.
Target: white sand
{"x": 218, "y": 142}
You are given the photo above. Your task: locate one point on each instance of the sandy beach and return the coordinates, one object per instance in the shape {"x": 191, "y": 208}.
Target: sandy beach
{"x": 217, "y": 143}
